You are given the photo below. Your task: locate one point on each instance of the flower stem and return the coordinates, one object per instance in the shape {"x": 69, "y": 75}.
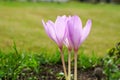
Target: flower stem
{"x": 69, "y": 65}
{"x": 75, "y": 65}
{"x": 63, "y": 63}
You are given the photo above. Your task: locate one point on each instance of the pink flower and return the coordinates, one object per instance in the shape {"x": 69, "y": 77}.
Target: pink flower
{"x": 75, "y": 33}
{"x": 56, "y": 31}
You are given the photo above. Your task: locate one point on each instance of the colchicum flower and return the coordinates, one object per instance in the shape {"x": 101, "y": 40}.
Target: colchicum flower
{"x": 68, "y": 31}
{"x": 56, "y": 31}
{"x": 75, "y": 37}
{"x": 76, "y": 34}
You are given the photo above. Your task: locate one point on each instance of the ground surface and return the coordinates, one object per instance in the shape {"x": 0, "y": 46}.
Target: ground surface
{"x": 52, "y": 72}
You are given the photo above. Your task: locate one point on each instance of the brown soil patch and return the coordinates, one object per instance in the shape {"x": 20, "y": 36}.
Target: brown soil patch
{"x": 51, "y": 72}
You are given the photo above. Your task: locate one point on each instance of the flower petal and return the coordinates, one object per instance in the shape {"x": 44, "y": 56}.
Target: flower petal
{"x": 86, "y": 30}
{"x": 49, "y": 28}
{"x": 60, "y": 28}
{"x": 75, "y": 30}
{"x": 68, "y": 43}
{"x": 45, "y": 27}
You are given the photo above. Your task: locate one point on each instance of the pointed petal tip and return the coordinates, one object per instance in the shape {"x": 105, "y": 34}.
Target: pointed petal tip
{"x": 77, "y": 18}
{"x": 42, "y": 21}
{"x": 62, "y": 16}
{"x": 89, "y": 22}
{"x": 49, "y": 21}
{"x": 69, "y": 16}
{"x": 44, "y": 24}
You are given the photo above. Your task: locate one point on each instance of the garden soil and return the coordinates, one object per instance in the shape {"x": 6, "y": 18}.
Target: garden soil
{"x": 55, "y": 72}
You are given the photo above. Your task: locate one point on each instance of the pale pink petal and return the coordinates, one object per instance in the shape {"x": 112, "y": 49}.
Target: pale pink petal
{"x": 45, "y": 27}
{"x": 68, "y": 41}
{"x": 49, "y": 28}
{"x": 60, "y": 28}
{"x": 75, "y": 30}
{"x": 86, "y": 30}
{"x": 70, "y": 30}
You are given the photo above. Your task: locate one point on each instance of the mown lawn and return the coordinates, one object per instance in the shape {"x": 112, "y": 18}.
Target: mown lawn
{"x": 21, "y": 23}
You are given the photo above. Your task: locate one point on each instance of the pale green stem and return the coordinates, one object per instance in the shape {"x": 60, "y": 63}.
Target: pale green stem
{"x": 63, "y": 63}
{"x": 69, "y": 65}
{"x": 75, "y": 65}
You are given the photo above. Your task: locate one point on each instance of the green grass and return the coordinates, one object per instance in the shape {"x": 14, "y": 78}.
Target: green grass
{"x": 21, "y": 22}
{"x": 19, "y": 65}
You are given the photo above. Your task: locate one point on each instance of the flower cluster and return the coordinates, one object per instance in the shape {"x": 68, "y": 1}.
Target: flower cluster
{"x": 68, "y": 31}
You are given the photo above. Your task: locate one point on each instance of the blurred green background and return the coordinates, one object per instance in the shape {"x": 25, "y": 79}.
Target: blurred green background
{"x": 21, "y": 22}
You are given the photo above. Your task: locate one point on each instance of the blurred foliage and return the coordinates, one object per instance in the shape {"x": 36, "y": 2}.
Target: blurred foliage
{"x": 17, "y": 65}
{"x": 28, "y": 65}
{"x": 12, "y": 63}
{"x": 87, "y": 62}
{"x": 111, "y": 63}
